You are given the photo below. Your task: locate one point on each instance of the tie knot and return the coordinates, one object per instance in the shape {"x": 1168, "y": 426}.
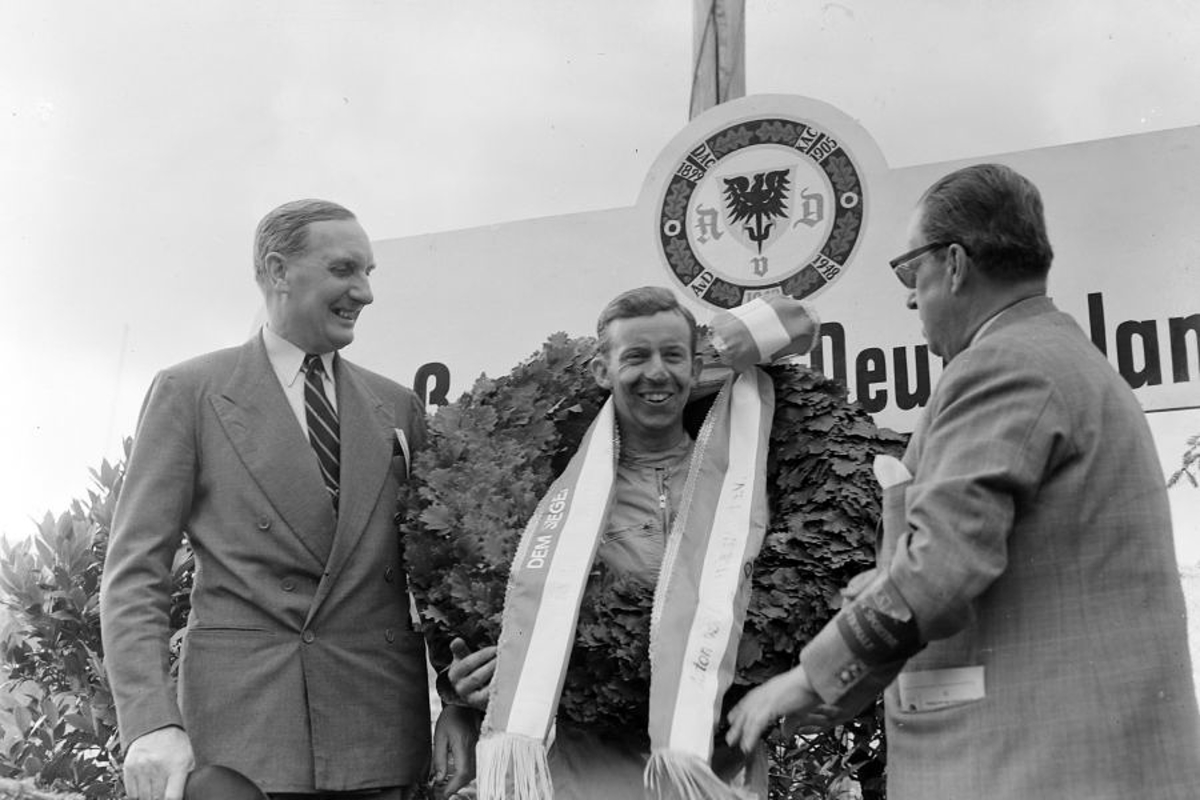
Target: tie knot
{"x": 313, "y": 364}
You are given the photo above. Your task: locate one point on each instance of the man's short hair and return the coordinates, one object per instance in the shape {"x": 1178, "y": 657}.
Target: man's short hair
{"x": 284, "y": 229}
{"x": 642, "y": 302}
{"x": 996, "y": 214}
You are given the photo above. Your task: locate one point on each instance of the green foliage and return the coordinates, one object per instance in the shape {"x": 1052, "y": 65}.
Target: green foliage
{"x": 808, "y": 767}
{"x": 494, "y": 452}
{"x": 492, "y": 455}
{"x": 57, "y": 720}
{"x": 825, "y": 507}
{"x": 1189, "y": 466}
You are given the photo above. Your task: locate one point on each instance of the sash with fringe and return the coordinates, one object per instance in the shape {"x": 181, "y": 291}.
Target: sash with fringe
{"x": 699, "y": 604}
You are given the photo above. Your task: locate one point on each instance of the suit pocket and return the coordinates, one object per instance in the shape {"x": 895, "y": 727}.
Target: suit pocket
{"x": 230, "y": 629}
{"x": 925, "y": 691}
{"x": 633, "y": 550}
{"x": 238, "y": 688}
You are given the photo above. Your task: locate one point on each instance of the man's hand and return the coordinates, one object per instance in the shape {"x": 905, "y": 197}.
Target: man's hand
{"x": 789, "y": 694}
{"x": 471, "y": 673}
{"x": 454, "y": 738}
{"x": 157, "y": 764}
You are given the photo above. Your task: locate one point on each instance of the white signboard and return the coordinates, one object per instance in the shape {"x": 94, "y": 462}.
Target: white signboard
{"x": 1121, "y": 213}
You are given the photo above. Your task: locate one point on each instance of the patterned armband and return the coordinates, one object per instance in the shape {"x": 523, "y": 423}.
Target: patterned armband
{"x": 878, "y": 625}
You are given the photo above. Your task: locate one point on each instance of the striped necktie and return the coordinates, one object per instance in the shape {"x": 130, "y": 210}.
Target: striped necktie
{"x": 322, "y": 424}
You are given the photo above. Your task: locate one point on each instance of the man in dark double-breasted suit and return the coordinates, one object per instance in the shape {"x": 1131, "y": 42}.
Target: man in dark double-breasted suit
{"x": 282, "y": 462}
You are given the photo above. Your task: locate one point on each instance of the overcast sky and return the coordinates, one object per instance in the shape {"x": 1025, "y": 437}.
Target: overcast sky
{"x": 141, "y": 142}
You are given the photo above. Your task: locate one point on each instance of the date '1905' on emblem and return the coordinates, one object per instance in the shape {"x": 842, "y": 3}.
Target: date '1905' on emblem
{"x": 767, "y": 206}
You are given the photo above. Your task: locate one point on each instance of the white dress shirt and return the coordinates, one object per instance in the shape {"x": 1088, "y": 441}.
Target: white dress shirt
{"x": 288, "y": 361}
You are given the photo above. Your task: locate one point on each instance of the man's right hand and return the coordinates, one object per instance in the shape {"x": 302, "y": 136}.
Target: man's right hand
{"x": 789, "y": 694}
{"x": 157, "y": 765}
{"x": 471, "y": 673}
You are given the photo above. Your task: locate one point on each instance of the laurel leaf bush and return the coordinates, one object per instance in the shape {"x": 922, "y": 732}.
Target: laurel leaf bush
{"x": 1189, "y": 464}
{"x": 495, "y": 451}
{"x": 57, "y": 722}
{"x": 58, "y": 727}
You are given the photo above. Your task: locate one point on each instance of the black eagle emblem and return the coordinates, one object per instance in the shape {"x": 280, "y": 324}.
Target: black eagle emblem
{"x": 757, "y": 205}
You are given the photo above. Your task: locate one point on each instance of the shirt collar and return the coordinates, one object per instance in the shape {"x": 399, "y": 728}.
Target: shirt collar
{"x": 660, "y": 458}
{"x": 287, "y": 359}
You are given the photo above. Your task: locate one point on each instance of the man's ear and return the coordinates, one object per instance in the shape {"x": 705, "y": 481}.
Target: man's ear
{"x": 697, "y": 368}
{"x": 958, "y": 265}
{"x": 599, "y": 367}
{"x": 276, "y": 269}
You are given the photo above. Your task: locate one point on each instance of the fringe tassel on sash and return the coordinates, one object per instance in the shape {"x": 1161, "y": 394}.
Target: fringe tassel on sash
{"x": 675, "y": 775}
{"x": 512, "y": 766}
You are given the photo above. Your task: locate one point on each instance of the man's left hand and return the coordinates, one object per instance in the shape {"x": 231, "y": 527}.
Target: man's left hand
{"x": 470, "y": 673}
{"x": 454, "y": 738}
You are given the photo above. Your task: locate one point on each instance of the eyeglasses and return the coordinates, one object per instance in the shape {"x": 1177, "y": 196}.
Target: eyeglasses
{"x": 905, "y": 265}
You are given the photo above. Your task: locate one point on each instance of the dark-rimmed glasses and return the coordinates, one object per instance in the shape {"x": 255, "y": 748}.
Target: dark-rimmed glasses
{"x": 905, "y": 265}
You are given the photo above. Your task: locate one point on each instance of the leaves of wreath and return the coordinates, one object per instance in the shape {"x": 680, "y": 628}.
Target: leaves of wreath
{"x": 494, "y": 452}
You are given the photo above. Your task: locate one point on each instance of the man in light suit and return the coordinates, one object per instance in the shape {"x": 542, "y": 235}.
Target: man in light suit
{"x": 300, "y": 667}
{"x": 1026, "y": 600}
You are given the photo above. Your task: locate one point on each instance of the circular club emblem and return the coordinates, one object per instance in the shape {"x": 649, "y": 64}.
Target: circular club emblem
{"x": 766, "y": 206}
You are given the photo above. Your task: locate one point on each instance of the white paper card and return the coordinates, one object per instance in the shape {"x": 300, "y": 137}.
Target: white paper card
{"x": 931, "y": 689}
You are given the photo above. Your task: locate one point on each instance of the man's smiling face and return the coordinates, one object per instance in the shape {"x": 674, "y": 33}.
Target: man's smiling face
{"x": 650, "y": 369}
{"x": 320, "y": 291}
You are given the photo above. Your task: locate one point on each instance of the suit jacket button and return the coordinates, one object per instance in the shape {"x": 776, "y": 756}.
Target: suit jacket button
{"x": 308, "y": 637}
{"x": 264, "y": 523}
{"x": 390, "y": 635}
{"x": 389, "y": 574}
{"x": 288, "y": 585}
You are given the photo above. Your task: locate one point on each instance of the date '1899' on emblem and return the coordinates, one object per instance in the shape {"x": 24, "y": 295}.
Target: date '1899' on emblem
{"x": 768, "y": 206}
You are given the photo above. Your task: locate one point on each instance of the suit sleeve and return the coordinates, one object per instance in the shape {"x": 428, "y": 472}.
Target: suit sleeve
{"x": 763, "y": 330}
{"x": 135, "y": 593}
{"x": 990, "y": 438}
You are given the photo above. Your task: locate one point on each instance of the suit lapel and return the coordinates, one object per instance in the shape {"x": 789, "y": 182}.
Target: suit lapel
{"x": 264, "y": 432}
{"x": 366, "y": 458}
